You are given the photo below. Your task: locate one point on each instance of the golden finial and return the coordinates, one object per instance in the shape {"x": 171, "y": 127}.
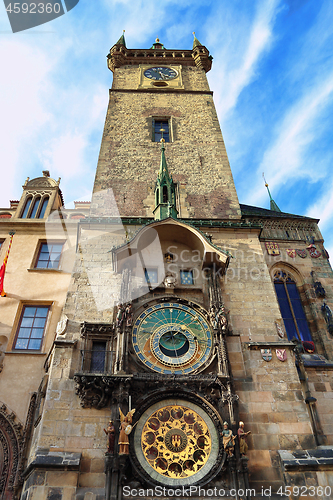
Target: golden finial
{"x": 157, "y": 39}
{"x": 266, "y": 185}
{"x": 193, "y": 33}
{"x": 123, "y": 31}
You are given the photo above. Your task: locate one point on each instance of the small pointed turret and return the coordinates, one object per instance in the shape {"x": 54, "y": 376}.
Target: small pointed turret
{"x": 196, "y": 42}
{"x": 201, "y": 55}
{"x": 273, "y": 205}
{"x": 165, "y": 190}
{"x": 121, "y": 40}
{"x": 157, "y": 44}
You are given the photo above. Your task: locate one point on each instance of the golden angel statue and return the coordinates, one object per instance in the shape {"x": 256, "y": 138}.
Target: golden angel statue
{"x": 124, "y": 431}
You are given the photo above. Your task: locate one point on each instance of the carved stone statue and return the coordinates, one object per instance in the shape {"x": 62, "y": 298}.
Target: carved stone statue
{"x": 110, "y": 432}
{"x": 243, "y": 447}
{"x": 228, "y": 439}
{"x": 326, "y": 310}
{"x": 124, "y": 431}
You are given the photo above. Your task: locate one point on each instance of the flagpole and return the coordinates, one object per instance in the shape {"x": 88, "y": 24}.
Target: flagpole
{"x": 4, "y": 264}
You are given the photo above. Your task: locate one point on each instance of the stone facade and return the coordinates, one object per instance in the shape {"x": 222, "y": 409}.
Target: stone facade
{"x": 211, "y": 264}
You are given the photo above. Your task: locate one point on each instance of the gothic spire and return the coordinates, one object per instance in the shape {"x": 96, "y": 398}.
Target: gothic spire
{"x": 163, "y": 172}
{"x": 273, "y": 205}
{"x": 165, "y": 191}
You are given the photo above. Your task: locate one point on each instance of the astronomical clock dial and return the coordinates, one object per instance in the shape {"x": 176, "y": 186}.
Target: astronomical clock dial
{"x": 176, "y": 443}
{"x": 160, "y": 73}
{"x": 172, "y": 338}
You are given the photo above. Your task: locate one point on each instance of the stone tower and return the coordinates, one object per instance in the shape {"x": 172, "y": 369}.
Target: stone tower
{"x": 142, "y": 101}
{"x": 169, "y": 303}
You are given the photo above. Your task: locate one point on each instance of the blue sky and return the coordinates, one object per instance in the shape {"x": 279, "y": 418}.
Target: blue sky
{"x": 272, "y": 79}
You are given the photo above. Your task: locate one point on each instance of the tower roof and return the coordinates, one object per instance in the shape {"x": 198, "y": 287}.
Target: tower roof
{"x": 157, "y": 44}
{"x": 121, "y": 40}
{"x": 196, "y": 42}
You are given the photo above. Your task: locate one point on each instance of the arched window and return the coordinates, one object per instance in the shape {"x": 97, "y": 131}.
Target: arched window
{"x": 165, "y": 194}
{"x": 291, "y": 306}
{"x": 43, "y": 208}
{"x": 26, "y": 208}
{"x": 35, "y": 207}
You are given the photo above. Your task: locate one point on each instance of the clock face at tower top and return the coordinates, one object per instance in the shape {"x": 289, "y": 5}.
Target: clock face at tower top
{"x": 160, "y": 73}
{"x": 172, "y": 338}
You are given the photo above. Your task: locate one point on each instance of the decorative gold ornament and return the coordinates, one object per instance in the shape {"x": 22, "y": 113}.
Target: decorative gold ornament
{"x": 176, "y": 441}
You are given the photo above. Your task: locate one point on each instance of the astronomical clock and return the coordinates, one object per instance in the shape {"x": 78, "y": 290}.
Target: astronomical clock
{"x": 176, "y": 439}
{"x": 172, "y": 338}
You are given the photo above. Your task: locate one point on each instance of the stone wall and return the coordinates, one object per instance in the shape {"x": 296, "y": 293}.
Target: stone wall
{"x": 197, "y": 159}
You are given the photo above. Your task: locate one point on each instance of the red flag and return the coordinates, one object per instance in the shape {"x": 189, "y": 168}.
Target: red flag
{"x": 3, "y": 268}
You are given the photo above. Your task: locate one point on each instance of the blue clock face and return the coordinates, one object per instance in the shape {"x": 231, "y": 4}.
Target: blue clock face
{"x": 160, "y": 73}
{"x": 172, "y": 338}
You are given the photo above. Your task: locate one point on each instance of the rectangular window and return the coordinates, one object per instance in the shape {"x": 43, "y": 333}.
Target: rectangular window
{"x": 98, "y": 353}
{"x": 161, "y": 127}
{"x": 31, "y": 328}
{"x": 151, "y": 275}
{"x": 49, "y": 256}
{"x": 1, "y": 242}
{"x": 186, "y": 277}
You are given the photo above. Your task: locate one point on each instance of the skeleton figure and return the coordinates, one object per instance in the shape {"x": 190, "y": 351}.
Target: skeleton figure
{"x": 120, "y": 315}
{"x": 129, "y": 315}
{"x": 212, "y": 317}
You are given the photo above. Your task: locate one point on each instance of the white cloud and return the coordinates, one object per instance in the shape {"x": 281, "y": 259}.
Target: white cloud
{"x": 27, "y": 70}
{"x": 241, "y": 53}
{"x": 286, "y": 158}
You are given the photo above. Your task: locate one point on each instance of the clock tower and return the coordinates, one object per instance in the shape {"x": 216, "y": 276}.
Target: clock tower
{"x": 165, "y": 89}
{"x": 170, "y": 301}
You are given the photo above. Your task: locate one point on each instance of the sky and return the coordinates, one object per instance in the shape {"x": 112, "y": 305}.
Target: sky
{"x": 272, "y": 79}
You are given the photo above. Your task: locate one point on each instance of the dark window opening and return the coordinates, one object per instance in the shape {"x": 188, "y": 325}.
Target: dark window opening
{"x": 98, "y": 353}
{"x": 43, "y": 209}
{"x": 34, "y": 208}
{"x": 26, "y": 208}
{"x": 158, "y": 125}
{"x": 291, "y": 309}
{"x": 165, "y": 194}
